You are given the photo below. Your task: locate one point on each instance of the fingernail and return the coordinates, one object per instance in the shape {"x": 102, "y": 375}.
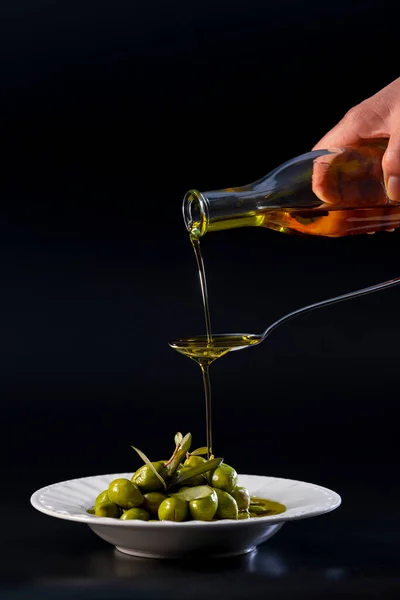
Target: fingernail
{"x": 393, "y": 188}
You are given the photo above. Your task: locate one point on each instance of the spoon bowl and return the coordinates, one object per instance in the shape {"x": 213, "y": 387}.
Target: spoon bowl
{"x": 200, "y": 347}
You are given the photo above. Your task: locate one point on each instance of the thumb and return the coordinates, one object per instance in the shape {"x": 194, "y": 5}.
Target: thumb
{"x": 391, "y": 167}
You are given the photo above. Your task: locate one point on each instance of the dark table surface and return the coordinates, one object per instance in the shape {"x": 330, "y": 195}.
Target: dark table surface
{"x": 350, "y": 553}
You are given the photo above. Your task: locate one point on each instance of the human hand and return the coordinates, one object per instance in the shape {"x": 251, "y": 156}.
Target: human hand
{"x": 375, "y": 117}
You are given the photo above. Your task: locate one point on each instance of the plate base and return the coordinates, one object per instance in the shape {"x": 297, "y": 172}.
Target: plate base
{"x": 137, "y": 553}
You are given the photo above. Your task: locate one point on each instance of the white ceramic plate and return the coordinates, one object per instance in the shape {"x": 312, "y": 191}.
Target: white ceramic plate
{"x": 70, "y": 499}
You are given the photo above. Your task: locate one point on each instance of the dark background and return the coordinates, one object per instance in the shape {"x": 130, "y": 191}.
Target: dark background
{"x": 109, "y": 112}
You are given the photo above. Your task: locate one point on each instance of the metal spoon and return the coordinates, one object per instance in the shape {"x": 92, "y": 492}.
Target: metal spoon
{"x": 197, "y": 347}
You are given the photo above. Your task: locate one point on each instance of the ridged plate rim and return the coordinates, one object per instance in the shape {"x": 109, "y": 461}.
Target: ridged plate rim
{"x": 70, "y": 499}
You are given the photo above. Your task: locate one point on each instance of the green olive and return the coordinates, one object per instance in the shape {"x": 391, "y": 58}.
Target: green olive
{"x": 173, "y": 509}
{"x": 124, "y": 493}
{"x": 91, "y": 510}
{"x": 227, "y": 507}
{"x": 152, "y": 502}
{"x": 244, "y": 514}
{"x": 204, "y": 509}
{"x": 194, "y": 461}
{"x": 102, "y": 497}
{"x": 190, "y": 462}
{"x": 193, "y": 481}
{"x": 146, "y": 480}
{"x": 223, "y": 477}
{"x": 138, "y": 514}
{"x": 242, "y": 497}
{"x": 107, "y": 509}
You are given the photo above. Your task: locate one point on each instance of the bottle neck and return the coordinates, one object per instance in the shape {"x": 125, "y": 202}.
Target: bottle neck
{"x": 205, "y": 212}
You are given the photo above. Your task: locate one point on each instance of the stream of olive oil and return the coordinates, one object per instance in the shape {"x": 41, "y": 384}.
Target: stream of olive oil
{"x": 203, "y": 285}
{"x": 206, "y": 349}
{"x": 205, "y": 360}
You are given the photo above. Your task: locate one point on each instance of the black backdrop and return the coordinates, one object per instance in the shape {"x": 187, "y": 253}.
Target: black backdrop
{"x": 109, "y": 112}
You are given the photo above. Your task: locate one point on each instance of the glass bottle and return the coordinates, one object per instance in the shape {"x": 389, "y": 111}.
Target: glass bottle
{"x": 332, "y": 193}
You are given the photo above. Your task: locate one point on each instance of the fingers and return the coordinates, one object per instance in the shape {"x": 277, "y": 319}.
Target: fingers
{"x": 352, "y": 177}
{"x": 391, "y": 163}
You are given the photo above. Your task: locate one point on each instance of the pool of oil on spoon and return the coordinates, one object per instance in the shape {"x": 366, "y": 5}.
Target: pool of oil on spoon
{"x": 203, "y": 350}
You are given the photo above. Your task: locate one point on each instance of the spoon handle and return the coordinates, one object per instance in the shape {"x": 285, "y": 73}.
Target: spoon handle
{"x": 336, "y": 299}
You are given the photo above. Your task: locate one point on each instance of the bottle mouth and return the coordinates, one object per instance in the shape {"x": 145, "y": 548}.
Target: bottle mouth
{"x": 195, "y": 213}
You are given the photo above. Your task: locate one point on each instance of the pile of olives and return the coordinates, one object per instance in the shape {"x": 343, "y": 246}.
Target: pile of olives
{"x": 186, "y": 487}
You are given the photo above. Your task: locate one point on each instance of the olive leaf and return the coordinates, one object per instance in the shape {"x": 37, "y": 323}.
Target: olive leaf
{"x": 194, "y": 493}
{"x": 179, "y": 454}
{"x": 178, "y": 442}
{"x": 150, "y": 465}
{"x": 91, "y": 510}
{"x": 199, "y": 451}
{"x": 178, "y": 438}
{"x": 194, "y": 471}
{"x": 257, "y": 509}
